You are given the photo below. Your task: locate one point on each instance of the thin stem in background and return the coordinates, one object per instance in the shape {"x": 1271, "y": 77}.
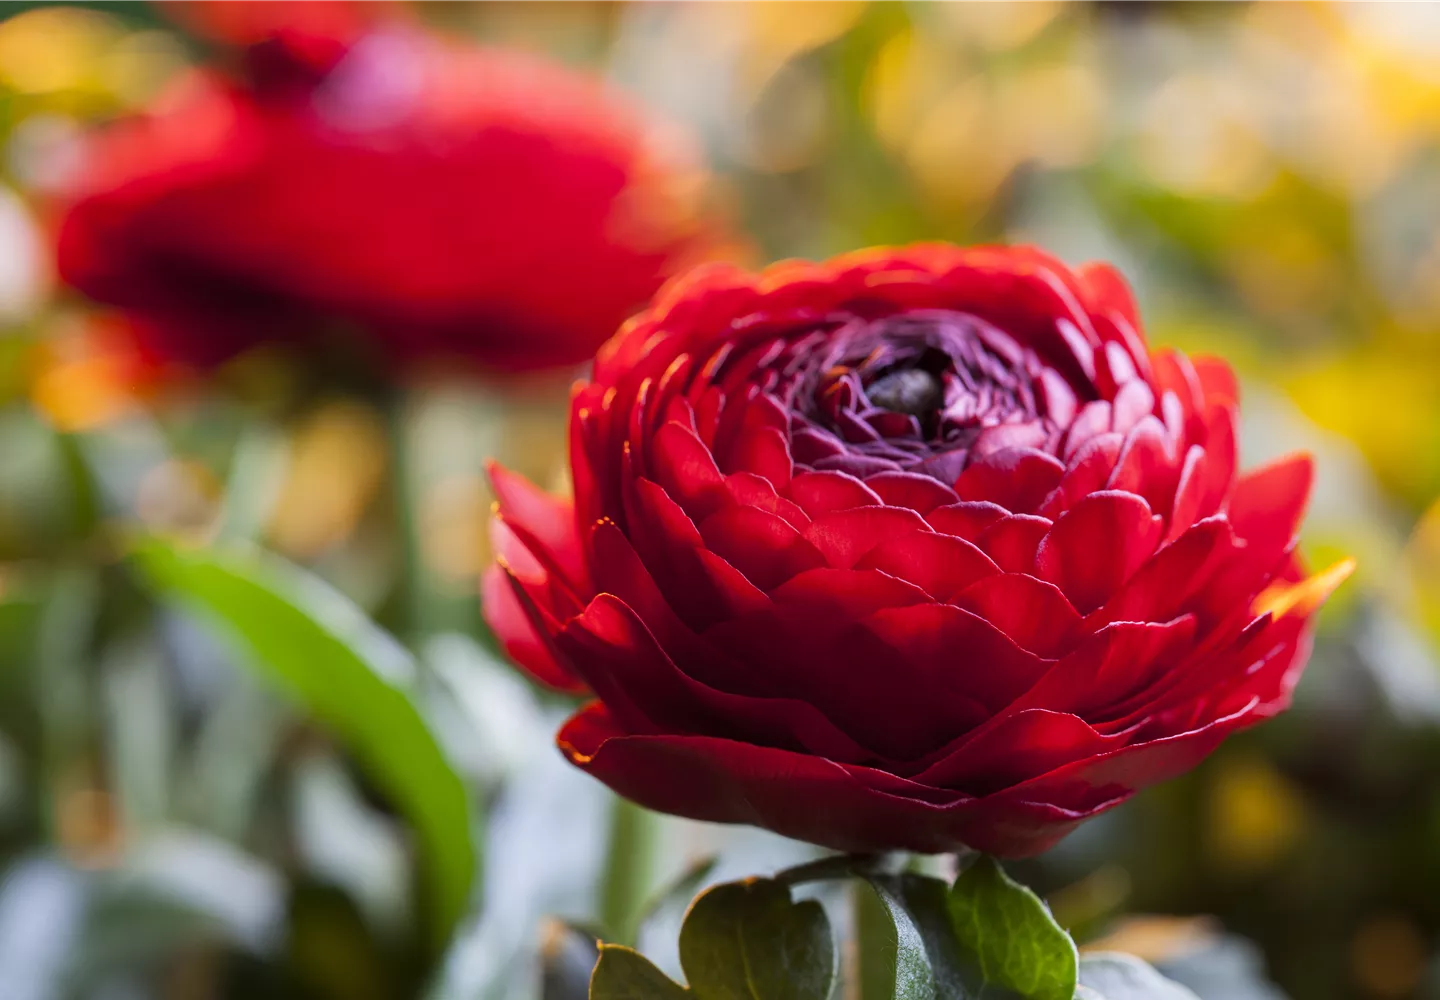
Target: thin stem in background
{"x": 257, "y": 473}
{"x": 629, "y": 869}
{"x": 67, "y": 628}
{"x": 842, "y": 866}
{"x": 411, "y": 613}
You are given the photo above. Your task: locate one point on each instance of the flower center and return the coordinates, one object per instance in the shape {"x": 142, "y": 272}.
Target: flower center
{"x": 908, "y": 390}
{"x": 922, "y": 391}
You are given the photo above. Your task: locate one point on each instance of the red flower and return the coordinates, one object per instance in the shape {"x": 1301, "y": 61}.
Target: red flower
{"x": 445, "y": 201}
{"x": 308, "y": 33}
{"x": 241, "y": 23}
{"x": 916, "y": 549}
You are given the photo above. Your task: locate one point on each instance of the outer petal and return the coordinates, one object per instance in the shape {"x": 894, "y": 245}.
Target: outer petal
{"x": 1126, "y": 770}
{"x": 1114, "y": 661}
{"x": 808, "y": 798}
{"x": 627, "y": 668}
{"x": 1107, "y": 291}
{"x": 546, "y": 518}
{"x": 1171, "y": 371}
{"x": 523, "y": 642}
{"x": 1217, "y": 381}
{"x": 1161, "y": 588}
{"x": 1265, "y": 661}
{"x": 948, "y": 650}
{"x": 1017, "y": 748}
{"x": 1265, "y": 511}
{"x": 1270, "y": 501}
{"x": 893, "y": 682}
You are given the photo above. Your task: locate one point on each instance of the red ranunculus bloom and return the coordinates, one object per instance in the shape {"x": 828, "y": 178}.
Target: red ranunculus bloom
{"x": 438, "y": 200}
{"x": 914, "y": 549}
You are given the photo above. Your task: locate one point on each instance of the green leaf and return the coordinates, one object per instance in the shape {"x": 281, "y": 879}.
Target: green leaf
{"x": 1011, "y": 934}
{"x": 925, "y": 902}
{"x": 899, "y": 926}
{"x": 350, "y": 675}
{"x": 1113, "y": 976}
{"x": 749, "y": 941}
{"x": 624, "y": 974}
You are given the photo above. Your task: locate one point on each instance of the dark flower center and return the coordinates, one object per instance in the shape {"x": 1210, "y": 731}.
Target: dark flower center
{"x": 919, "y": 391}
{"x": 908, "y": 390}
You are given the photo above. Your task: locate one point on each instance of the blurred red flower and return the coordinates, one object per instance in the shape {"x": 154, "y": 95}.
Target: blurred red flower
{"x": 248, "y": 22}
{"x": 444, "y": 201}
{"x": 313, "y": 33}
{"x": 915, "y": 549}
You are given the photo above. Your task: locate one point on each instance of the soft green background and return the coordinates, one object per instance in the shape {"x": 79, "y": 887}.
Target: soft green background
{"x": 174, "y": 826}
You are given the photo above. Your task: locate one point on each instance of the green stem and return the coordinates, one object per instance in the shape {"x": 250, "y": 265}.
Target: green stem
{"x": 86, "y": 500}
{"x": 67, "y": 628}
{"x": 841, "y": 866}
{"x": 629, "y": 869}
{"x": 411, "y": 612}
{"x": 416, "y": 607}
{"x": 256, "y": 472}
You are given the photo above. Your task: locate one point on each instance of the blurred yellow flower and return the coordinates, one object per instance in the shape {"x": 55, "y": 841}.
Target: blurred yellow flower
{"x": 80, "y": 58}
{"x": 1387, "y": 402}
{"x": 1253, "y": 814}
{"x": 337, "y": 462}
{"x": 998, "y": 27}
{"x": 1196, "y": 138}
{"x": 781, "y": 31}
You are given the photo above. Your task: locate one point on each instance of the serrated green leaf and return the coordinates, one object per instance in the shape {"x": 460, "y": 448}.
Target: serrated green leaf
{"x": 750, "y": 941}
{"x": 625, "y": 974}
{"x": 1011, "y": 934}
{"x": 353, "y": 677}
{"x": 926, "y": 901}
{"x": 893, "y": 958}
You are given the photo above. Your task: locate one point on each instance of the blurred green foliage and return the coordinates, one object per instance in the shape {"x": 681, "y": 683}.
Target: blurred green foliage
{"x": 1268, "y": 176}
